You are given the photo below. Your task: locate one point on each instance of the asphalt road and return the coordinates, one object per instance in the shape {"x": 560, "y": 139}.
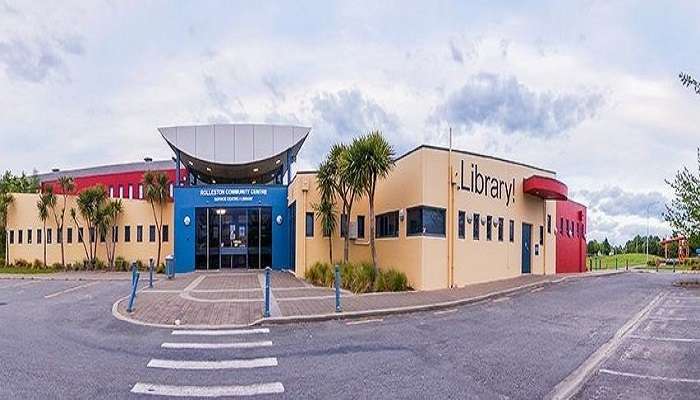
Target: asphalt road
{"x": 68, "y": 345}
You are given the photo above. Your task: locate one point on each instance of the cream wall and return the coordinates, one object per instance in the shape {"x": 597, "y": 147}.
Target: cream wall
{"x": 421, "y": 177}
{"x": 23, "y": 214}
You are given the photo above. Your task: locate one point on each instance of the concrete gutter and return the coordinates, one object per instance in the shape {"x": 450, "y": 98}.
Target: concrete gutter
{"x": 359, "y": 314}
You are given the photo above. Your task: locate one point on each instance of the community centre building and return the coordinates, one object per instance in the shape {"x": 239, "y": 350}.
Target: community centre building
{"x": 444, "y": 217}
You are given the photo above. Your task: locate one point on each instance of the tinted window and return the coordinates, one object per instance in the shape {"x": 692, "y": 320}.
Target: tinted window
{"x": 343, "y": 225}
{"x": 461, "y": 224}
{"x": 152, "y": 233}
{"x": 69, "y": 234}
{"x": 127, "y": 233}
{"x": 12, "y": 237}
{"x": 388, "y": 224}
{"x": 38, "y": 236}
{"x": 500, "y": 229}
{"x": 426, "y": 221}
{"x": 29, "y": 236}
{"x": 309, "y": 224}
{"x": 166, "y": 233}
{"x": 541, "y": 235}
{"x": 139, "y": 233}
{"x": 511, "y": 230}
{"x": 489, "y": 227}
{"x": 361, "y": 226}
{"x": 549, "y": 223}
{"x": 48, "y": 236}
{"x": 80, "y": 235}
{"x": 20, "y": 235}
{"x": 475, "y": 226}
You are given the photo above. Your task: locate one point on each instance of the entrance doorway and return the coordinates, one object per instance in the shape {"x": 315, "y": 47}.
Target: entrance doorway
{"x": 527, "y": 252}
{"x": 233, "y": 237}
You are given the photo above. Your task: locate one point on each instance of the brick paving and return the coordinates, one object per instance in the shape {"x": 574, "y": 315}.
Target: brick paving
{"x": 233, "y": 299}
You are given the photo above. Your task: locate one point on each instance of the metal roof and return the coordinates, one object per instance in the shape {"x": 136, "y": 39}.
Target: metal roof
{"x": 159, "y": 165}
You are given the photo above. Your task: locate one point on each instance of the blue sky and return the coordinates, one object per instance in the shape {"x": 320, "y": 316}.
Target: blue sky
{"x": 587, "y": 88}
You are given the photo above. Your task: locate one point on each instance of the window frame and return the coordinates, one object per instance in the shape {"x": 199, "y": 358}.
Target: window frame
{"x": 139, "y": 233}
{"x": 165, "y": 233}
{"x": 476, "y": 229}
{"x": 361, "y": 227}
{"x": 127, "y": 233}
{"x": 511, "y": 230}
{"x": 421, "y": 210}
{"x": 380, "y": 225}
{"x": 501, "y": 222}
{"x": 309, "y": 225}
{"x": 461, "y": 224}
{"x": 152, "y": 233}
{"x": 489, "y": 228}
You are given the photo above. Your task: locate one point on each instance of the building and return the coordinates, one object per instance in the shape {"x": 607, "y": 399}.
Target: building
{"x": 444, "y": 217}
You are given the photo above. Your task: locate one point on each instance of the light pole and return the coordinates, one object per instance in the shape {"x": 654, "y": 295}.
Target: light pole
{"x": 647, "y": 241}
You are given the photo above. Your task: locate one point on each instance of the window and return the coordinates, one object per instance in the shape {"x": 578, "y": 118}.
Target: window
{"x": 127, "y": 234}
{"x": 343, "y": 225}
{"x": 140, "y": 191}
{"x": 59, "y": 235}
{"x": 29, "y": 236}
{"x": 361, "y": 226}
{"x": 20, "y": 234}
{"x": 121, "y": 191}
{"x": 549, "y": 223}
{"x": 424, "y": 220}
{"x": 139, "y": 233}
{"x": 102, "y": 236}
{"x": 475, "y": 226}
{"x": 38, "y": 236}
{"x": 541, "y": 235}
{"x": 561, "y": 225}
{"x": 92, "y": 235}
{"x": 131, "y": 191}
{"x": 12, "y": 237}
{"x": 500, "y": 229}
{"x": 152, "y": 233}
{"x": 80, "y": 235}
{"x": 461, "y": 224}
{"x": 69, "y": 234}
{"x": 387, "y": 224}
{"x": 48, "y": 236}
{"x": 309, "y": 224}
{"x": 111, "y": 191}
{"x": 166, "y": 234}
{"x": 115, "y": 234}
{"x": 511, "y": 230}
{"x": 489, "y": 227}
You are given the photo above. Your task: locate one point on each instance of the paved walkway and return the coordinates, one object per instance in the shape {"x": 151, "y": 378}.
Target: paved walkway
{"x": 229, "y": 299}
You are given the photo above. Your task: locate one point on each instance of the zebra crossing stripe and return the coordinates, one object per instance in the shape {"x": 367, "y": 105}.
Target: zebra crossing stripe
{"x": 220, "y": 332}
{"x": 208, "y": 391}
{"x": 209, "y": 346}
{"x": 212, "y": 365}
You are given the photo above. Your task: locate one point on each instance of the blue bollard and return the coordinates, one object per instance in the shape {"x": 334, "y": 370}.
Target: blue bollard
{"x": 133, "y": 272}
{"x": 134, "y": 286}
{"x": 337, "y": 289}
{"x": 266, "y": 314}
{"x": 150, "y": 273}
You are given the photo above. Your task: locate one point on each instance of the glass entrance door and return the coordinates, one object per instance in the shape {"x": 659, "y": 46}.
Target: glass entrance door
{"x": 233, "y": 237}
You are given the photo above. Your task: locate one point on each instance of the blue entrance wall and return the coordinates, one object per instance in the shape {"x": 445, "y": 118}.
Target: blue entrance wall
{"x": 188, "y": 198}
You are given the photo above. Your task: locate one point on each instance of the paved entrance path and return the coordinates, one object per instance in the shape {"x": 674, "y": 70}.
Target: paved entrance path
{"x": 229, "y": 299}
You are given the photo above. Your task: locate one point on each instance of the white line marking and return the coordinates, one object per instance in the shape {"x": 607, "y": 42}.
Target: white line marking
{"x": 500, "y": 299}
{"x": 652, "y": 377}
{"x": 225, "y": 364}
{"x": 219, "y": 332}
{"x": 673, "y": 319}
{"x": 677, "y": 306}
{"x": 536, "y": 289}
{"x": 445, "y": 311}
{"x": 364, "y": 321}
{"x": 208, "y": 391}
{"x": 305, "y": 298}
{"x": 567, "y": 388}
{"x": 19, "y": 284}
{"x": 244, "y": 345}
{"x": 48, "y": 296}
{"x": 664, "y": 339}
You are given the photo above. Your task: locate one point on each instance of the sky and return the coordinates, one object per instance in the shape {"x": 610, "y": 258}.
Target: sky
{"x": 589, "y": 89}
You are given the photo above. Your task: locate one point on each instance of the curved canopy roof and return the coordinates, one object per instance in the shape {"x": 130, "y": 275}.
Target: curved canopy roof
{"x": 231, "y": 152}
{"x": 545, "y": 187}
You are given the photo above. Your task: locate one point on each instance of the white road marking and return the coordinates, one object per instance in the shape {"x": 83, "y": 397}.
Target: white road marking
{"x": 664, "y": 339}
{"x": 211, "y": 365}
{"x": 567, "y": 388}
{"x": 651, "y": 377}
{"x": 364, "y": 321}
{"x": 48, "y": 296}
{"x": 445, "y": 311}
{"x": 19, "y": 284}
{"x": 536, "y": 289}
{"x": 220, "y": 332}
{"x": 208, "y": 391}
{"x": 673, "y": 319}
{"x": 500, "y": 299}
{"x": 243, "y": 345}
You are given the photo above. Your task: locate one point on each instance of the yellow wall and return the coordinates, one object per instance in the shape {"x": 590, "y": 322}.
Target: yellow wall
{"x": 23, "y": 214}
{"x": 422, "y": 178}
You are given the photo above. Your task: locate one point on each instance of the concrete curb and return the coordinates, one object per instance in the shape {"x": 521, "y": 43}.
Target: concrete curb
{"x": 357, "y": 314}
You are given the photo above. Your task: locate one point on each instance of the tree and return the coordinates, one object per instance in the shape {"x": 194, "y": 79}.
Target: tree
{"x": 605, "y": 247}
{"x": 156, "y": 188}
{"x": 91, "y": 203}
{"x": 683, "y": 213}
{"x": 67, "y": 186}
{"x": 687, "y": 80}
{"x": 9, "y": 184}
{"x": 43, "y": 206}
{"x": 370, "y": 158}
{"x": 107, "y": 224}
{"x": 333, "y": 173}
{"x": 325, "y": 213}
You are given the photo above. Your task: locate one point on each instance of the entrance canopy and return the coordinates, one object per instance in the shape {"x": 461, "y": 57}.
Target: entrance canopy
{"x": 236, "y": 153}
{"x": 545, "y": 187}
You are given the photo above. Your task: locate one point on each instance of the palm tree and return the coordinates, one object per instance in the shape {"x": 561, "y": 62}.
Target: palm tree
{"x": 43, "y": 206}
{"x": 109, "y": 214}
{"x": 325, "y": 213}
{"x": 156, "y": 188}
{"x": 67, "y": 186}
{"x": 90, "y": 206}
{"x": 370, "y": 158}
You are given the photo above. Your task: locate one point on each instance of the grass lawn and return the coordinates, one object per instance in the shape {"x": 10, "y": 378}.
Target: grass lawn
{"x": 20, "y": 270}
{"x": 607, "y": 262}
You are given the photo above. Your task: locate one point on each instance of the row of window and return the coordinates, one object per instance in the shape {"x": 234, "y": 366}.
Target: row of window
{"x": 343, "y": 226}
{"x": 120, "y": 193}
{"x": 69, "y": 235}
{"x": 573, "y": 228}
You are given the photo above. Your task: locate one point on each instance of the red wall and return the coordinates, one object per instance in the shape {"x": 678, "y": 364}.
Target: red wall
{"x": 124, "y": 179}
{"x": 571, "y": 245}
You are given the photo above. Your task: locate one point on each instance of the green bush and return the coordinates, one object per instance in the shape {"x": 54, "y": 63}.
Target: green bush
{"x": 651, "y": 263}
{"x": 391, "y": 281}
{"x": 120, "y": 264}
{"x": 358, "y": 278}
{"x": 160, "y": 269}
{"x": 57, "y": 266}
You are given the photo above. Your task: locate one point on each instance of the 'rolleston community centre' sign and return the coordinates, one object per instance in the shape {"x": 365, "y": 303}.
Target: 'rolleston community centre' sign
{"x": 232, "y": 194}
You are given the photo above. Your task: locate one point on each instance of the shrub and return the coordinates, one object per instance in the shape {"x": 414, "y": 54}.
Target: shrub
{"x": 365, "y": 278}
{"x": 651, "y": 263}
{"x": 100, "y": 265}
{"x": 160, "y": 269}
{"x": 120, "y": 264}
{"x": 21, "y": 263}
{"x": 391, "y": 281}
{"x": 56, "y": 266}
